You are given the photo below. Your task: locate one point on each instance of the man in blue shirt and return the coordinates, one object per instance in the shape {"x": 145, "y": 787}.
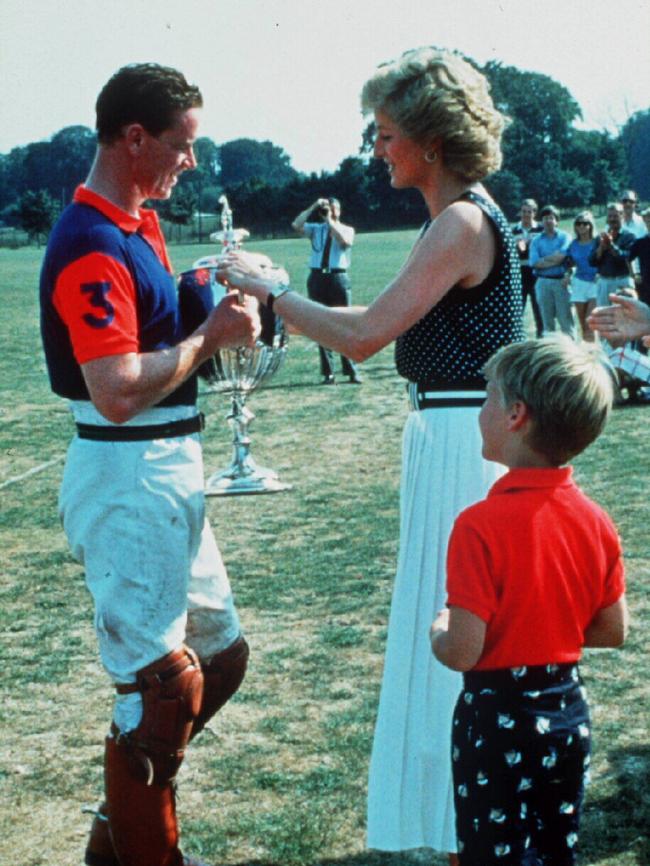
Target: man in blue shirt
{"x": 328, "y": 282}
{"x": 547, "y": 259}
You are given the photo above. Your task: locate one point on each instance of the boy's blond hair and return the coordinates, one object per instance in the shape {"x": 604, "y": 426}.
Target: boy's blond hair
{"x": 568, "y": 388}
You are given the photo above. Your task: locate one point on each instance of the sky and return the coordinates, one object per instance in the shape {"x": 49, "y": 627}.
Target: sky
{"x": 291, "y": 71}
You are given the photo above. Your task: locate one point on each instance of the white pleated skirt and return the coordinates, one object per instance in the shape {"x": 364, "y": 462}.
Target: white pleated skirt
{"x": 410, "y": 798}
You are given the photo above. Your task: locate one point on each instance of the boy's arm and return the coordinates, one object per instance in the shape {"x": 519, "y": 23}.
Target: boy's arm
{"x": 609, "y": 627}
{"x": 457, "y": 638}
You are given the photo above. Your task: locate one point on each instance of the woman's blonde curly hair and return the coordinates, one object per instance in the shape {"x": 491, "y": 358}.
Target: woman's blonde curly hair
{"x": 435, "y": 94}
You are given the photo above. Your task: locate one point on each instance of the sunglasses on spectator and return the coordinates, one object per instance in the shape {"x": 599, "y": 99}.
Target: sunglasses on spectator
{"x": 628, "y": 201}
{"x": 581, "y": 223}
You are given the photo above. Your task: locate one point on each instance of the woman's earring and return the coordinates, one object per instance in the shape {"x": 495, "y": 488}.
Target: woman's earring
{"x": 431, "y": 156}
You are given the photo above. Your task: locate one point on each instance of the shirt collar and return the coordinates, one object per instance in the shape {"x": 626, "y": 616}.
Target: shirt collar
{"x": 121, "y": 218}
{"x": 533, "y": 479}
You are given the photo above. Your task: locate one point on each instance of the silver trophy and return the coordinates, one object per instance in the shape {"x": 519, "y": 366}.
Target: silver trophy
{"x": 237, "y": 371}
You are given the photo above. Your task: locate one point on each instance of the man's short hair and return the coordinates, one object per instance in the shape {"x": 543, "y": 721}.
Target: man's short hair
{"x": 531, "y": 203}
{"x": 144, "y": 93}
{"x": 549, "y": 209}
{"x": 568, "y": 388}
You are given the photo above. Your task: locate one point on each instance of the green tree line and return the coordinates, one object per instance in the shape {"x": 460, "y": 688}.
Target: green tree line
{"x": 546, "y": 157}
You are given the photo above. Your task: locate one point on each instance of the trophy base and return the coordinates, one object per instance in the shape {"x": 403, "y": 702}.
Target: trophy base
{"x": 234, "y": 482}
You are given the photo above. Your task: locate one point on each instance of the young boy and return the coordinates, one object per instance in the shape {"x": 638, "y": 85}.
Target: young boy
{"x": 534, "y": 574}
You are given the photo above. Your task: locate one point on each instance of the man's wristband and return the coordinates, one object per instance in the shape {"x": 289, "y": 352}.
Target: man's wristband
{"x": 275, "y": 293}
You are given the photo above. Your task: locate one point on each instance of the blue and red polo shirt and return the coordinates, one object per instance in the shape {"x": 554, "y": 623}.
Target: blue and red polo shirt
{"x": 106, "y": 288}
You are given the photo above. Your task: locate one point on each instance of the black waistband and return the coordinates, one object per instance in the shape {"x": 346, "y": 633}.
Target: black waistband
{"x": 522, "y": 678}
{"x": 543, "y": 277}
{"x": 329, "y": 270}
{"x": 140, "y": 433}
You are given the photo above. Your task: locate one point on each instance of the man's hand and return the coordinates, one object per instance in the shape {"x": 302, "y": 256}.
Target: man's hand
{"x": 605, "y": 241}
{"x": 232, "y": 324}
{"x": 627, "y": 319}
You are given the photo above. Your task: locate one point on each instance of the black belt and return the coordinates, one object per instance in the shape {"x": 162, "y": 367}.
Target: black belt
{"x": 542, "y": 277}
{"x": 142, "y": 432}
{"x": 329, "y": 270}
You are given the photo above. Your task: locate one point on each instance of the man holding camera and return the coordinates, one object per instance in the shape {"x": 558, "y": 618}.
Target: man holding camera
{"x": 328, "y": 282}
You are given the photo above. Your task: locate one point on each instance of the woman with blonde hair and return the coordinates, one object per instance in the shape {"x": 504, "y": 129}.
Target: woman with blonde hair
{"x": 581, "y": 276}
{"x": 454, "y": 302}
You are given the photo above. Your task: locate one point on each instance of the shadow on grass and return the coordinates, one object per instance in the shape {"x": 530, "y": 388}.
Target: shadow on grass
{"x": 619, "y": 822}
{"x": 368, "y": 858}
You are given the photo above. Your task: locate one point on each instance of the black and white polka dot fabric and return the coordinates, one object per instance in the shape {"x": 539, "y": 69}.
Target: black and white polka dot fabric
{"x": 520, "y": 757}
{"x": 450, "y": 345}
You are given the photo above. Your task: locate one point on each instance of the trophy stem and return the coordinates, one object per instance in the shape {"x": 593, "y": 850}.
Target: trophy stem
{"x": 243, "y": 475}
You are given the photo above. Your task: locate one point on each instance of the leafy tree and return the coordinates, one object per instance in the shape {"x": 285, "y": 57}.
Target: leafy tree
{"x": 179, "y": 209}
{"x": 245, "y": 159}
{"x": 37, "y": 212}
{"x": 506, "y": 188}
{"x": 71, "y": 152}
{"x": 635, "y": 136}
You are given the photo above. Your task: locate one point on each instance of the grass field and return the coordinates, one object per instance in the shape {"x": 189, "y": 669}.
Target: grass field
{"x": 283, "y": 779}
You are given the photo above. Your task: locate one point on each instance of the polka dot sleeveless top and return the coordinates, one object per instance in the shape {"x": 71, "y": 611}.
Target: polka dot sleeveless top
{"x": 450, "y": 344}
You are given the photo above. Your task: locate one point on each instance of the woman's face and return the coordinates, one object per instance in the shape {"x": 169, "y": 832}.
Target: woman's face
{"x": 583, "y": 229}
{"x": 404, "y": 158}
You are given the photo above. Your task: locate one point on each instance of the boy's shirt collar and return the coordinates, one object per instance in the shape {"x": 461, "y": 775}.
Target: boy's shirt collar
{"x": 527, "y": 479}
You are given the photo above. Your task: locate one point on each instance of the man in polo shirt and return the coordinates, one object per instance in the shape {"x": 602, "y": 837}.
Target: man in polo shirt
{"x": 328, "y": 282}
{"x": 611, "y": 257}
{"x": 547, "y": 255}
{"x": 131, "y": 499}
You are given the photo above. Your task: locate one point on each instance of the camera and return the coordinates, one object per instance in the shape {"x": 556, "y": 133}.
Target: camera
{"x": 320, "y": 213}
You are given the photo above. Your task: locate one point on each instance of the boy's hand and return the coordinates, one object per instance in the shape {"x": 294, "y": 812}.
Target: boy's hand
{"x": 440, "y": 624}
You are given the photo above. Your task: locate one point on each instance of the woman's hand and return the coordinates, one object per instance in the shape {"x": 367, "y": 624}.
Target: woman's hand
{"x": 251, "y": 273}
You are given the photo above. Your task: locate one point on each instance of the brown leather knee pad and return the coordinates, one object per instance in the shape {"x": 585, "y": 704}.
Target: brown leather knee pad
{"x": 223, "y": 673}
{"x": 172, "y": 694}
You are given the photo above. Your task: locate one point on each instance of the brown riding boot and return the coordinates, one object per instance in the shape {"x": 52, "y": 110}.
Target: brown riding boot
{"x": 99, "y": 850}
{"x": 142, "y": 817}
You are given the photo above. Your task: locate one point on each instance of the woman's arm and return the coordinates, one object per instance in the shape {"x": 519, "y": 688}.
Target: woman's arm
{"x": 457, "y": 249}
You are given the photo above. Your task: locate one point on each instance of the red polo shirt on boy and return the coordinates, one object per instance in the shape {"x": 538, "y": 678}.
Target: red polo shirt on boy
{"x": 535, "y": 561}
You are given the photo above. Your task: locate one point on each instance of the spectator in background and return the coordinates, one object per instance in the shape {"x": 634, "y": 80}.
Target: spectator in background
{"x": 611, "y": 256}
{"x": 581, "y": 276}
{"x": 547, "y": 258}
{"x": 328, "y": 282}
{"x": 631, "y": 221}
{"x": 640, "y": 251}
{"x": 523, "y": 232}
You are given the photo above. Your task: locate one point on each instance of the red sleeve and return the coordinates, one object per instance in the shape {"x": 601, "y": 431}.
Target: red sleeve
{"x": 95, "y": 297}
{"x": 469, "y": 584}
{"x": 614, "y": 585}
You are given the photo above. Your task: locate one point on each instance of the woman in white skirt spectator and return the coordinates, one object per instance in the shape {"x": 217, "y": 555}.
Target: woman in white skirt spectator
{"x": 581, "y": 276}
{"x": 454, "y": 302}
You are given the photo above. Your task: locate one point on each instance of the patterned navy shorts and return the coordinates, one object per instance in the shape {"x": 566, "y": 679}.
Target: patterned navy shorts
{"x": 520, "y": 753}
